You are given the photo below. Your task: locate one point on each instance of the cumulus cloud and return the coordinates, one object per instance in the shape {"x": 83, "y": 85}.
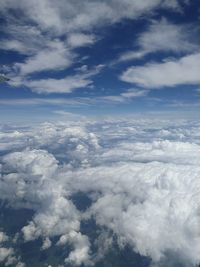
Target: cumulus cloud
{"x": 32, "y": 184}
{"x": 46, "y": 196}
{"x": 142, "y": 179}
{"x": 7, "y": 254}
{"x": 169, "y": 73}
{"x": 81, "y": 245}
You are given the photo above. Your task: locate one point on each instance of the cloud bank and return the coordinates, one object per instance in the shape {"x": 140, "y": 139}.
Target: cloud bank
{"x": 142, "y": 178}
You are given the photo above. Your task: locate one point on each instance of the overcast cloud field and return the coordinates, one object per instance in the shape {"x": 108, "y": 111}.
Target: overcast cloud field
{"x": 99, "y": 133}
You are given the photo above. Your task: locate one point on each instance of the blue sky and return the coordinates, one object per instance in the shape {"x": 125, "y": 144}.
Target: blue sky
{"x": 99, "y": 58}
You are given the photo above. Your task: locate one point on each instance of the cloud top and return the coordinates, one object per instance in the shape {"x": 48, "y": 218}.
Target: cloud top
{"x": 143, "y": 187}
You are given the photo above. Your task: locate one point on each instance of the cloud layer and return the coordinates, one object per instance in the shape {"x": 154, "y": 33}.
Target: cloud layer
{"x": 142, "y": 178}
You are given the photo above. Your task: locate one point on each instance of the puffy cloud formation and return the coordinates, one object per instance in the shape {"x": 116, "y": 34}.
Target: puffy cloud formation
{"x": 7, "y": 256}
{"x": 142, "y": 178}
{"x": 169, "y": 73}
{"x": 81, "y": 245}
{"x": 3, "y": 237}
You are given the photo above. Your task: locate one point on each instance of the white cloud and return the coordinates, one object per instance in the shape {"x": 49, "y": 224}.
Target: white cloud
{"x": 131, "y": 93}
{"x": 55, "y": 215}
{"x": 65, "y": 85}
{"x": 80, "y": 39}
{"x": 162, "y": 36}
{"x": 63, "y": 16}
{"x": 34, "y": 101}
{"x": 56, "y": 57}
{"x": 142, "y": 178}
{"x": 3, "y": 237}
{"x": 24, "y": 39}
{"x": 53, "y": 85}
{"x": 76, "y": 101}
{"x": 170, "y": 73}
{"x": 5, "y": 253}
{"x": 148, "y": 205}
{"x": 48, "y": 32}
{"x": 123, "y": 97}
{"x": 81, "y": 247}
{"x": 166, "y": 36}
{"x": 40, "y": 190}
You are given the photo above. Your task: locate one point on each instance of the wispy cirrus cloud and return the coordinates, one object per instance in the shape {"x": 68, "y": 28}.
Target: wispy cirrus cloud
{"x": 126, "y": 96}
{"x": 62, "y": 16}
{"x": 81, "y": 79}
{"x": 162, "y": 36}
{"x": 55, "y": 57}
{"x": 80, "y": 39}
{"x": 123, "y": 97}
